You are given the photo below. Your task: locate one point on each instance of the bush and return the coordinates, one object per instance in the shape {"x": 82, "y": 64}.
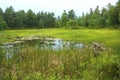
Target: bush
{"x": 72, "y": 23}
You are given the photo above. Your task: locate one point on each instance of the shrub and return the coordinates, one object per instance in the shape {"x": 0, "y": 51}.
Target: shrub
{"x": 72, "y": 23}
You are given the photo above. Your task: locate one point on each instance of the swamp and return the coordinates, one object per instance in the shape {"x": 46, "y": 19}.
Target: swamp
{"x": 37, "y": 56}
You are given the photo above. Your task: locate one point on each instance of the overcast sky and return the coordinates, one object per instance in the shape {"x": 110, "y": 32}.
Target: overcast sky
{"x": 56, "y": 6}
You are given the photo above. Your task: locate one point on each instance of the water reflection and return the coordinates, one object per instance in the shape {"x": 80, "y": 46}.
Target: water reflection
{"x": 46, "y": 44}
{"x": 59, "y": 44}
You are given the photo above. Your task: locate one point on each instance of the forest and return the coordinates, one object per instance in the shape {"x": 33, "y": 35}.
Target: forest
{"x": 108, "y": 17}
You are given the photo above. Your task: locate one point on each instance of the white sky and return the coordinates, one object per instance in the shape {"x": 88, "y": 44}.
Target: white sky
{"x": 56, "y": 6}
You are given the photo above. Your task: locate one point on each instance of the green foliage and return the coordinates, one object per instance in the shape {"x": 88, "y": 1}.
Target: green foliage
{"x": 64, "y": 19}
{"x": 1, "y": 12}
{"x": 101, "y": 19}
{"x": 38, "y": 64}
{"x": 68, "y": 19}
{"x": 49, "y": 19}
{"x": 31, "y": 19}
{"x": 72, "y": 24}
{"x": 113, "y": 15}
{"x": 71, "y": 14}
{"x": 1, "y": 56}
{"x": 35, "y": 63}
{"x": 104, "y": 67}
{"x": 107, "y": 17}
{"x": 2, "y": 23}
{"x": 20, "y": 19}
{"x": 9, "y": 17}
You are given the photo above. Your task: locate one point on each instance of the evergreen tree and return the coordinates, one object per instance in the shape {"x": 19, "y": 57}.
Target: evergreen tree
{"x": 64, "y": 19}
{"x": 51, "y": 20}
{"x": 2, "y": 23}
{"x": 96, "y": 17}
{"x": 40, "y": 23}
{"x": 9, "y": 17}
{"x": 1, "y": 12}
{"x": 71, "y": 14}
{"x": 113, "y": 16}
{"x": 20, "y": 19}
{"x": 58, "y": 21}
{"x": 104, "y": 18}
{"x": 118, "y": 10}
{"x": 31, "y": 19}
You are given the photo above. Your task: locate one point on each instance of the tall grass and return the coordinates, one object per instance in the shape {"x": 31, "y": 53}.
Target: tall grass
{"x": 37, "y": 64}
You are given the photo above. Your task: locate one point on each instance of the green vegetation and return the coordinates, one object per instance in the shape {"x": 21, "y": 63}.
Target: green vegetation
{"x": 107, "y": 36}
{"x": 34, "y": 63}
{"x": 108, "y": 17}
{"x": 2, "y": 24}
{"x": 30, "y": 63}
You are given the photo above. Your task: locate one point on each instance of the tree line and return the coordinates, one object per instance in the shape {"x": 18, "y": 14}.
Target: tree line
{"x": 22, "y": 19}
{"x": 107, "y": 17}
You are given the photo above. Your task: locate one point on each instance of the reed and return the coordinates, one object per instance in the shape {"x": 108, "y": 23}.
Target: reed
{"x": 35, "y": 63}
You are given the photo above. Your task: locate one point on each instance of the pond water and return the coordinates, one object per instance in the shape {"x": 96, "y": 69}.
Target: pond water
{"x": 42, "y": 43}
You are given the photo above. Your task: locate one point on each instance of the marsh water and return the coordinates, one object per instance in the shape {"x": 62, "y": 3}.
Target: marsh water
{"x": 54, "y": 44}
